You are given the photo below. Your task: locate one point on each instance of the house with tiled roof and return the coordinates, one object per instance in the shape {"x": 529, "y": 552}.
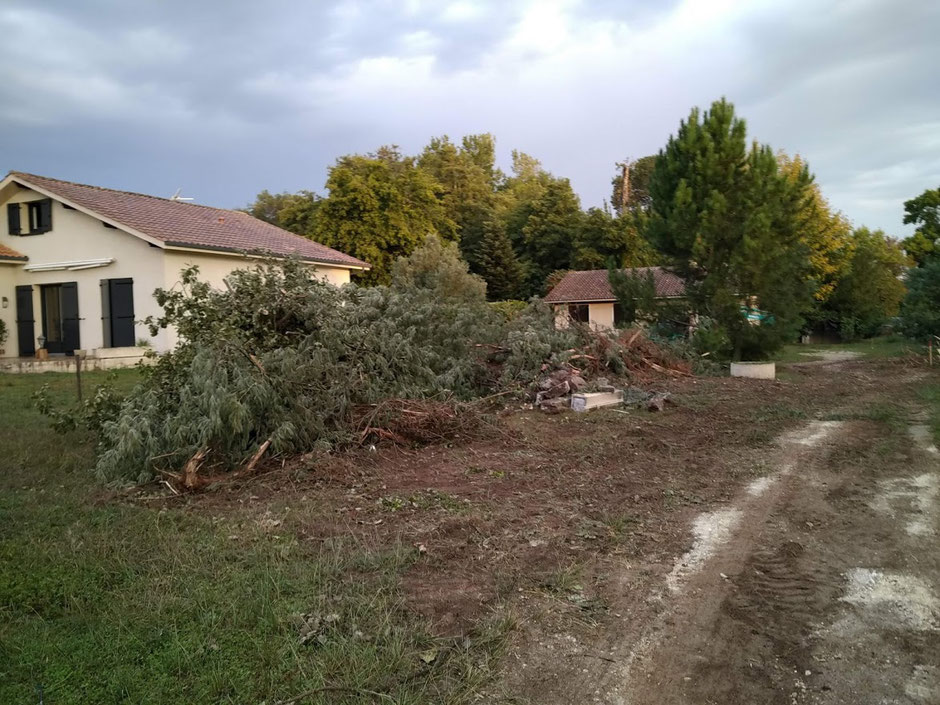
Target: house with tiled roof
{"x": 586, "y": 296}
{"x": 79, "y": 264}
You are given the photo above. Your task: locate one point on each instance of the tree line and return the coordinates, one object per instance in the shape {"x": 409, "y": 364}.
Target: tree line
{"x": 514, "y": 230}
{"x": 746, "y": 227}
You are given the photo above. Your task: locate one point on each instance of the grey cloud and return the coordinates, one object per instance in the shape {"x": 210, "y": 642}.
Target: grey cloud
{"x": 226, "y": 98}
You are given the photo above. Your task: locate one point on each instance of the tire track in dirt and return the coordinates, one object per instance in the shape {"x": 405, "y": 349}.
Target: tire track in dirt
{"x": 883, "y": 643}
{"x": 840, "y": 600}
{"x": 736, "y": 619}
{"x": 659, "y": 670}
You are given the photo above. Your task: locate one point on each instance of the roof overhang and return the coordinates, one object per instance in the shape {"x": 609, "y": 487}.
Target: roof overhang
{"x": 234, "y": 252}
{"x": 87, "y": 211}
{"x": 162, "y": 244}
{"x": 606, "y": 301}
{"x": 581, "y": 301}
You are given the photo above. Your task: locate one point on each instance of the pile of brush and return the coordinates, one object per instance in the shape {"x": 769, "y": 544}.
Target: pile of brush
{"x": 415, "y": 422}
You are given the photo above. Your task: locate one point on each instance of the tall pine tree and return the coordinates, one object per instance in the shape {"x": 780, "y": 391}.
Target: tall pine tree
{"x": 499, "y": 265}
{"x": 728, "y": 220}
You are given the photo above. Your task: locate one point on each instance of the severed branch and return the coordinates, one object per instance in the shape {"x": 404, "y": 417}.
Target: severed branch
{"x": 190, "y": 478}
{"x": 250, "y": 466}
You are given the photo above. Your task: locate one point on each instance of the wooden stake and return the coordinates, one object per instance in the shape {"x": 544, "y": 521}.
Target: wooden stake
{"x": 78, "y": 373}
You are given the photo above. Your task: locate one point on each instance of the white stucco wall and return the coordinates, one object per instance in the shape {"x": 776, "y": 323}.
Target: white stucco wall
{"x": 600, "y": 315}
{"x": 78, "y": 236}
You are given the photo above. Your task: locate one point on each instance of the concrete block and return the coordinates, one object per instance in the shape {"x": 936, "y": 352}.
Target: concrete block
{"x": 596, "y": 400}
{"x": 754, "y": 370}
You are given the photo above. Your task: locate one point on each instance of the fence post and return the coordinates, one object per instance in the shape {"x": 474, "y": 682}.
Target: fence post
{"x": 78, "y": 373}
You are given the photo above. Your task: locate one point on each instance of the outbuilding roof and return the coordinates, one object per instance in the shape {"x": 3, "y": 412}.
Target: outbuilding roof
{"x": 594, "y": 285}
{"x": 188, "y": 225}
{"x": 8, "y": 253}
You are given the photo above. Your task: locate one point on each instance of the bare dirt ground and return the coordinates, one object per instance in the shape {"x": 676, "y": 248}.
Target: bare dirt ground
{"x": 758, "y": 542}
{"x": 816, "y": 583}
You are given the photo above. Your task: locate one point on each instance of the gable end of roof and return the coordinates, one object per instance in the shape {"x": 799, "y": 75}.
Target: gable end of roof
{"x": 168, "y": 223}
{"x": 593, "y": 285}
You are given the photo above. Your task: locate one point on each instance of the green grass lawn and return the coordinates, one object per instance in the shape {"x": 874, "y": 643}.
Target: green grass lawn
{"x": 106, "y": 601}
{"x": 889, "y": 346}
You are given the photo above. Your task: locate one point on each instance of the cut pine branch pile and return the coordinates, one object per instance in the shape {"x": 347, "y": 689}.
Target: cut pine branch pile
{"x": 630, "y": 352}
{"x": 417, "y": 421}
{"x": 279, "y": 365}
{"x": 602, "y": 359}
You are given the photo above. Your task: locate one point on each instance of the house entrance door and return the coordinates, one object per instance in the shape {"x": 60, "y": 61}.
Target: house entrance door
{"x": 60, "y": 317}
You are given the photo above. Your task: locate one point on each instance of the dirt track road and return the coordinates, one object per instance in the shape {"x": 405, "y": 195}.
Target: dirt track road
{"x": 825, "y": 590}
{"x": 818, "y": 583}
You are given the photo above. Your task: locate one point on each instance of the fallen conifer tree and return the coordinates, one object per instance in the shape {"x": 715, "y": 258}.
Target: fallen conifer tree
{"x": 282, "y": 363}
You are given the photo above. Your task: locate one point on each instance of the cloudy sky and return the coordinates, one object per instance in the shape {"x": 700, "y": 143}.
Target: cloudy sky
{"x": 226, "y": 97}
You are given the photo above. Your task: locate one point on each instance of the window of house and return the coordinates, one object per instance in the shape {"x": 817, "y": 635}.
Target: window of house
{"x": 579, "y": 312}
{"x": 40, "y": 216}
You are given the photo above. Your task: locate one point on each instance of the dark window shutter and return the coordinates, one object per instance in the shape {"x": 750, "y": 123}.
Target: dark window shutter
{"x": 70, "y": 336}
{"x": 45, "y": 215}
{"x": 106, "y": 312}
{"x": 25, "y": 323}
{"x": 121, "y": 300}
{"x": 13, "y": 218}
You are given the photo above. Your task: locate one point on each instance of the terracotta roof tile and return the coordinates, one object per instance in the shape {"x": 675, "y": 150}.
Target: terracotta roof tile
{"x": 9, "y": 253}
{"x": 187, "y": 224}
{"x": 593, "y": 285}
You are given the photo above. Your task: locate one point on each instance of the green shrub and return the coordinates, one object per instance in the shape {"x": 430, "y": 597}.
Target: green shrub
{"x": 710, "y": 338}
{"x": 509, "y": 309}
{"x": 920, "y": 309}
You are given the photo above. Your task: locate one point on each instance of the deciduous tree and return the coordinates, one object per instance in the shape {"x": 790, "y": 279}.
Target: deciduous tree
{"x": 549, "y": 233}
{"x": 604, "y": 239}
{"x": 924, "y": 212}
{"x": 380, "y": 207}
{"x": 826, "y": 233}
{"x": 296, "y": 212}
{"x": 870, "y": 291}
{"x": 468, "y": 179}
